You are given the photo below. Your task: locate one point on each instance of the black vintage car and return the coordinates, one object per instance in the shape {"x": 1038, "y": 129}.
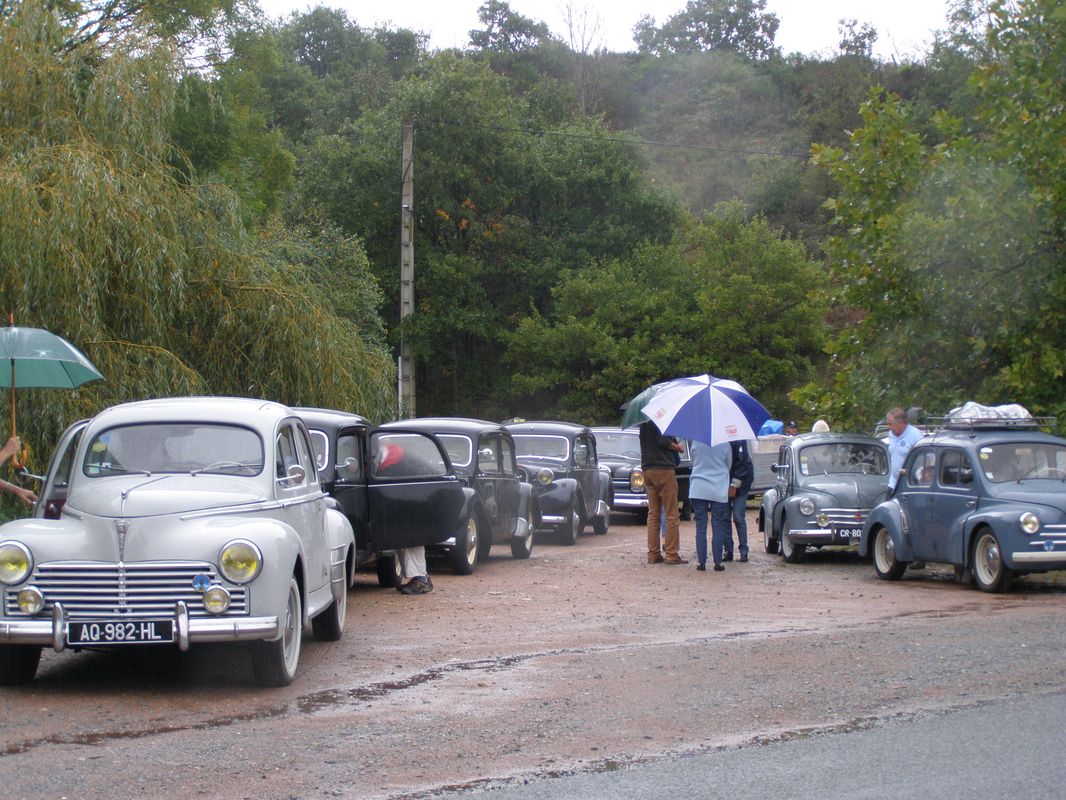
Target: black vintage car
{"x": 483, "y": 455}
{"x": 573, "y": 490}
{"x": 395, "y": 485}
{"x": 618, "y": 449}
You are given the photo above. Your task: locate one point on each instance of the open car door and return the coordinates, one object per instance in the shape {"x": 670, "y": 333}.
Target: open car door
{"x": 53, "y": 494}
{"x": 415, "y": 498}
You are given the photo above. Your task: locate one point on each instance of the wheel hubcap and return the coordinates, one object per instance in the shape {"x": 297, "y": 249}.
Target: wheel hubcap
{"x": 471, "y": 541}
{"x": 988, "y": 562}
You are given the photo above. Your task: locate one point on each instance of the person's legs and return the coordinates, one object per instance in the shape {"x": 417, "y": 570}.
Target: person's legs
{"x": 414, "y": 569}
{"x": 740, "y": 519}
{"x": 699, "y": 513}
{"x": 720, "y": 528}
{"x": 653, "y": 479}
{"x": 668, "y": 497}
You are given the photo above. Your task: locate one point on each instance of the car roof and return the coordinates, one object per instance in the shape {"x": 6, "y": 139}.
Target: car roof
{"x": 833, "y": 437}
{"x": 464, "y": 425}
{"x": 249, "y": 412}
{"x": 327, "y": 417}
{"x": 547, "y": 426}
{"x": 963, "y": 437}
{"x": 614, "y": 429}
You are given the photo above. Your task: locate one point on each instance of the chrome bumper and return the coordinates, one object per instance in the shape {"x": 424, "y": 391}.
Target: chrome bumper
{"x": 1041, "y": 558}
{"x": 53, "y": 632}
{"x": 637, "y": 501}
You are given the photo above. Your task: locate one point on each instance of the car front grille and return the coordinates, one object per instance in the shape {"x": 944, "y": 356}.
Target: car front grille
{"x": 95, "y": 590}
{"x": 842, "y": 517}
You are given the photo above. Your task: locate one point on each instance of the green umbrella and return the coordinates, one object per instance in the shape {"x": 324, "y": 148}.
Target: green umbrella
{"x": 631, "y": 408}
{"x": 41, "y": 360}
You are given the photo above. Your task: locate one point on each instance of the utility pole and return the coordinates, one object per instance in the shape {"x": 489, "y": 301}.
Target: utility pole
{"x": 405, "y": 372}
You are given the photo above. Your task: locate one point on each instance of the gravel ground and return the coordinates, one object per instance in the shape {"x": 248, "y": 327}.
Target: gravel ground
{"x": 581, "y": 658}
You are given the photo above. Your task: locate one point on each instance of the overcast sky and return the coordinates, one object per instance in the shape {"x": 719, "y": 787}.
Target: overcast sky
{"x": 904, "y": 27}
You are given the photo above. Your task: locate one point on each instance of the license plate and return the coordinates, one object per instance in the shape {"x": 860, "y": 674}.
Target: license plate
{"x": 156, "y": 631}
{"x": 848, "y": 533}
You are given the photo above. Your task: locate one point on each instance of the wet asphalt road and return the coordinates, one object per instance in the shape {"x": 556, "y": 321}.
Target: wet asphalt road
{"x": 583, "y": 663}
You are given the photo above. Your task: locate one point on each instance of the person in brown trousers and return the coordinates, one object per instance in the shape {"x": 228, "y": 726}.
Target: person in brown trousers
{"x": 658, "y": 458}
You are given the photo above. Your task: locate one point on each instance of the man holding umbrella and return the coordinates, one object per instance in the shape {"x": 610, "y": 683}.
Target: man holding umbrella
{"x": 657, "y": 460}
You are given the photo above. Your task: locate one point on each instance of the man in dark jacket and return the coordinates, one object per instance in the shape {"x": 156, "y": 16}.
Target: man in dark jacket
{"x": 741, "y": 476}
{"x": 657, "y": 461}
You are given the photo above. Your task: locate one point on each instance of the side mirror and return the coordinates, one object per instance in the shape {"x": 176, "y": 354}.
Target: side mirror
{"x": 349, "y": 469}
{"x": 779, "y": 468}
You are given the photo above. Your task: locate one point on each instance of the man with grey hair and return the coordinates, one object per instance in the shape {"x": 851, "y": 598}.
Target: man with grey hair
{"x": 901, "y": 438}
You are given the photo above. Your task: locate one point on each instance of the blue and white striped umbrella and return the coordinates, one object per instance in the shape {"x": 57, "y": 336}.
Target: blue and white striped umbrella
{"x": 707, "y": 409}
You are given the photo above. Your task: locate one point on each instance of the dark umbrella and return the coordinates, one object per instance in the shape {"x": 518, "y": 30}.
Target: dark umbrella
{"x": 41, "y": 360}
{"x": 631, "y": 408}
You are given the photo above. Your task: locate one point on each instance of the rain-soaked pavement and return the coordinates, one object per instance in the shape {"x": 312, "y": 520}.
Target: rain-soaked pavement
{"x": 581, "y": 660}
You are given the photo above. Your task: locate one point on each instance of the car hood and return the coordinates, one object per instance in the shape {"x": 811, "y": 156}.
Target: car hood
{"x": 849, "y": 491}
{"x": 535, "y": 462}
{"x": 160, "y": 494}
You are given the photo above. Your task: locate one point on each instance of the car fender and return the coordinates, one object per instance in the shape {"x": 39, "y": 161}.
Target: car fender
{"x": 341, "y": 538}
{"x": 559, "y": 496}
{"x": 471, "y": 505}
{"x": 998, "y": 519}
{"x": 766, "y": 509}
{"x": 887, "y": 515}
{"x": 528, "y": 511}
{"x": 604, "y": 493}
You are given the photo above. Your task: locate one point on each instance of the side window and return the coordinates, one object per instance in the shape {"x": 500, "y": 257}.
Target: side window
{"x": 955, "y": 469}
{"x": 923, "y": 468}
{"x": 405, "y": 455}
{"x": 284, "y": 453}
{"x": 349, "y": 462}
{"x": 581, "y": 451}
{"x": 488, "y": 455}
{"x": 507, "y": 459}
{"x": 306, "y": 456}
{"x": 320, "y": 444}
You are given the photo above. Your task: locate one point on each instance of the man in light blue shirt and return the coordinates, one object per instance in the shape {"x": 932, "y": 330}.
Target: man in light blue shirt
{"x": 901, "y": 439}
{"x": 708, "y": 491}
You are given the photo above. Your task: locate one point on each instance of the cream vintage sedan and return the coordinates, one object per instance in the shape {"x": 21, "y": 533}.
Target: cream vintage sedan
{"x": 172, "y": 522}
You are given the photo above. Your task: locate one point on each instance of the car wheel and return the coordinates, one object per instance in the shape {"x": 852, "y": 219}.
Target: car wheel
{"x": 989, "y": 572}
{"x": 886, "y": 565}
{"x": 275, "y": 662}
{"x": 463, "y": 556}
{"x": 18, "y": 663}
{"x": 523, "y": 548}
{"x": 572, "y": 526}
{"x": 769, "y": 543}
{"x": 792, "y": 553}
{"x": 601, "y": 524}
{"x": 329, "y": 625}
{"x": 390, "y": 572}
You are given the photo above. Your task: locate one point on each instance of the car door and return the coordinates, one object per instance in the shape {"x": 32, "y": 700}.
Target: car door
{"x": 584, "y": 470}
{"x": 955, "y": 500}
{"x": 414, "y": 496}
{"x": 487, "y": 478}
{"x": 916, "y": 500}
{"x": 350, "y": 483}
{"x": 508, "y": 491}
{"x": 782, "y": 483}
{"x": 298, "y": 490}
{"x": 53, "y": 493}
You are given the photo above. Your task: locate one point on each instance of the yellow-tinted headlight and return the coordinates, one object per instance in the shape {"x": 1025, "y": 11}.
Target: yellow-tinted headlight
{"x": 240, "y": 561}
{"x": 1030, "y": 522}
{"x": 545, "y": 476}
{"x": 636, "y": 480}
{"x": 15, "y": 563}
{"x": 30, "y": 600}
{"x": 822, "y": 520}
{"x": 216, "y": 600}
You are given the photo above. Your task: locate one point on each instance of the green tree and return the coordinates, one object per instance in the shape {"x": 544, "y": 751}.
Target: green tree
{"x": 152, "y": 276}
{"x": 737, "y": 26}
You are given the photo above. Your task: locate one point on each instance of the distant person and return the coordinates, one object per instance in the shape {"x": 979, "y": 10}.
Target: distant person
{"x": 10, "y": 448}
{"x": 901, "y": 438}
{"x": 790, "y": 428}
{"x": 821, "y": 426}
{"x": 709, "y": 491}
{"x": 741, "y": 477}
{"x": 658, "y": 460}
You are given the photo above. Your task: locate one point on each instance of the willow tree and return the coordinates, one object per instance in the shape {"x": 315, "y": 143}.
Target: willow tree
{"x": 153, "y": 276}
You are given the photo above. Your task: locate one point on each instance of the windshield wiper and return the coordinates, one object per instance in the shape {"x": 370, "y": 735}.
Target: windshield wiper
{"x": 226, "y": 465}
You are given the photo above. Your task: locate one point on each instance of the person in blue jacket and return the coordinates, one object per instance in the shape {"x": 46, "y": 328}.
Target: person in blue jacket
{"x": 741, "y": 476}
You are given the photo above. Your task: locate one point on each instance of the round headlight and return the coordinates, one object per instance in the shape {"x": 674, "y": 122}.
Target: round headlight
{"x": 822, "y": 520}
{"x": 1030, "y": 522}
{"x": 216, "y": 600}
{"x": 30, "y": 600}
{"x": 545, "y": 476}
{"x": 240, "y": 561}
{"x": 806, "y": 506}
{"x": 16, "y": 563}
{"x": 636, "y": 480}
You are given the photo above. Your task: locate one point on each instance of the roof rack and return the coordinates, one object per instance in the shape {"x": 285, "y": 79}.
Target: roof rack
{"x": 990, "y": 423}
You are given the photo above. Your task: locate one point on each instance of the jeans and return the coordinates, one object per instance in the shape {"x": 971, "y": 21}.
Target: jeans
{"x": 740, "y": 519}
{"x": 721, "y": 527}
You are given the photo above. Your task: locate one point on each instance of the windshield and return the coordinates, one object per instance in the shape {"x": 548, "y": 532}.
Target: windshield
{"x": 1015, "y": 461}
{"x": 554, "y": 447}
{"x": 174, "y": 447}
{"x": 624, "y": 445}
{"x": 459, "y": 448}
{"x": 843, "y": 457}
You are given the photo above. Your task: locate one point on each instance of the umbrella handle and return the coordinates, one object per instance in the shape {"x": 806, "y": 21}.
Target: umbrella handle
{"x": 18, "y": 460}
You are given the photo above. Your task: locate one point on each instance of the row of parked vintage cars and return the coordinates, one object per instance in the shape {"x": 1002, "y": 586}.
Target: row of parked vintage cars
{"x": 188, "y": 520}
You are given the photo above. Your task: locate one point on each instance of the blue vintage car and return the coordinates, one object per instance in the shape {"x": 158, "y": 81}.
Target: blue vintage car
{"x": 824, "y": 486}
{"x": 987, "y": 496}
